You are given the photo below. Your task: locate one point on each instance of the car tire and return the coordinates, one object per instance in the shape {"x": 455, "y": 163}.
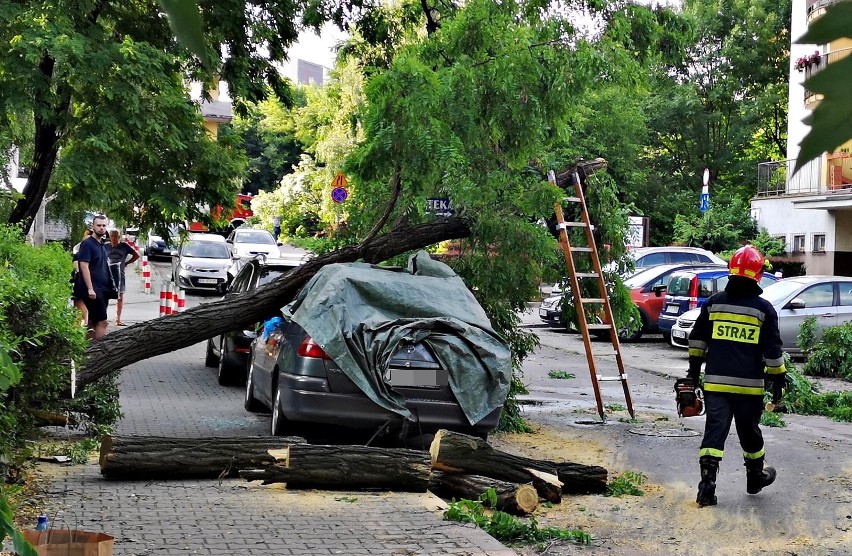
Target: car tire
{"x": 634, "y": 337}
{"x": 251, "y": 403}
{"x": 225, "y": 375}
{"x": 210, "y": 359}
{"x": 278, "y": 423}
{"x": 667, "y": 337}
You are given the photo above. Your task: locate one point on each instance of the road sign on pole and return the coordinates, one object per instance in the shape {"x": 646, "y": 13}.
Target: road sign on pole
{"x": 704, "y": 199}
{"x": 339, "y": 183}
{"x": 339, "y": 180}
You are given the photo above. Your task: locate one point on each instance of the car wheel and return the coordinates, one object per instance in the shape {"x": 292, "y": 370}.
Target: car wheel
{"x": 667, "y": 337}
{"x": 251, "y": 403}
{"x": 279, "y": 422}
{"x": 226, "y": 370}
{"x": 210, "y": 359}
{"x": 627, "y": 337}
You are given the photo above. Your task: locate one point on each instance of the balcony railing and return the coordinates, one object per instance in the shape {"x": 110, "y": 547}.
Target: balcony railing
{"x": 777, "y": 178}
{"x": 814, "y": 67}
{"x": 815, "y": 8}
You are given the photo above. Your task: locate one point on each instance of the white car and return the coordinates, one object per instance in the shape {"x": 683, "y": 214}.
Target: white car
{"x": 682, "y": 327}
{"x": 246, "y": 243}
{"x": 202, "y": 262}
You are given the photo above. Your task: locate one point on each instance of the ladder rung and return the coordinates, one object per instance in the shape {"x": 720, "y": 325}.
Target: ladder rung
{"x": 592, "y": 300}
{"x": 599, "y": 326}
{"x": 573, "y": 224}
{"x": 582, "y": 249}
{"x": 571, "y": 199}
{"x": 587, "y": 275}
{"x": 611, "y": 378}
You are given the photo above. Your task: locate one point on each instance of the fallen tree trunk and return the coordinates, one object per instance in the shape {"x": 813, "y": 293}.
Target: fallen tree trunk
{"x": 157, "y": 457}
{"x": 512, "y": 498}
{"x": 169, "y": 333}
{"x": 577, "y": 478}
{"x": 346, "y": 468}
{"x": 454, "y": 452}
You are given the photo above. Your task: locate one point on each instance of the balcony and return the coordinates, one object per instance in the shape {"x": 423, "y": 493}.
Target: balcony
{"x": 839, "y": 171}
{"x": 816, "y": 8}
{"x": 815, "y": 63}
{"x": 777, "y": 178}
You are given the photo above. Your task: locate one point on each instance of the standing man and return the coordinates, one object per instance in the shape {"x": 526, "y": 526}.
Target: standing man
{"x": 737, "y": 334}
{"x": 276, "y": 227}
{"x": 118, "y": 253}
{"x": 94, "y": 269}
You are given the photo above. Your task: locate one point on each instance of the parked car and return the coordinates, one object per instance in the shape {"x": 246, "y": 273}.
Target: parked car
{"x": 688, "y": 289}
{"x": 647, "y": 290}
{"x": 245, "y": 243}
{"x": 404, "y": 358}
{"x": 828, "y": 298}
{"x": 230, "y": 351}
{"x": 201, "y": 263}
{"x": 651, "y": 256}
{"x": 157, "y": 248}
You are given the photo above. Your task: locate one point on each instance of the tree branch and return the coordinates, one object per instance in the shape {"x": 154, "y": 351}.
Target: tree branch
{"x": 396, "y": 189}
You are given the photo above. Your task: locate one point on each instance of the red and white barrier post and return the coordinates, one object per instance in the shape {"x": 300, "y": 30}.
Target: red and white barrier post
{"x": 171, "y": 301}
{"x": 163, "y": 291}
{"x": 181, "y": 300}
{"x": 146, "y": 273}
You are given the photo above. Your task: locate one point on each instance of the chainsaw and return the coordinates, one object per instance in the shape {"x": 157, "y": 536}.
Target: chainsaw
{"x": 689, "y": 398}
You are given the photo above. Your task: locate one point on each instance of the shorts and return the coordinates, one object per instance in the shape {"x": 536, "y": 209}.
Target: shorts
{"x": 97, "y": 308}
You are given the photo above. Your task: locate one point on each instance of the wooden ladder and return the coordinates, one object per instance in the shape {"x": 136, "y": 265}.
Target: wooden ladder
{"x": 594, "y": 302}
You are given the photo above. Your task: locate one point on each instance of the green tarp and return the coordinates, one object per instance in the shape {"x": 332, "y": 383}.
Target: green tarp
{"x": 359, "y": 313}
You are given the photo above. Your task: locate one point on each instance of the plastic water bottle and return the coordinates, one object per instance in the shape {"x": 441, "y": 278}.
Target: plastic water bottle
{"x": 42, "y": 523}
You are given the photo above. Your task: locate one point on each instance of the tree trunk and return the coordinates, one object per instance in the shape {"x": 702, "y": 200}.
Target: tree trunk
{"x": 580, "y": 479}
{"x": 157, "y": 457}
{"x": 454, "y": 452}
{"x": 512, "y": 498}
{"x": 165, "y": 334}
{"x": 346, "y": 468}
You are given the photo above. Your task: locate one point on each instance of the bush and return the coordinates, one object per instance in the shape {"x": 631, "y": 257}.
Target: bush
{"x": 41, "y": 336}
{"x": 833, "y": 356}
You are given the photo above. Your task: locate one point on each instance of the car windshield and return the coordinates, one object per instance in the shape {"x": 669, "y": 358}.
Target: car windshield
{"x": 206, "y": 250}
{"x": 779, "y": 291}
{"x": 641, "y": 278}
{"x": 254, "y": 237}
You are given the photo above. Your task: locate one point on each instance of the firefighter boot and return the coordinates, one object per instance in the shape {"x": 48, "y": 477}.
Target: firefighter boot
{"x": 707, "y": 486}
{"x": 757, "y": 476}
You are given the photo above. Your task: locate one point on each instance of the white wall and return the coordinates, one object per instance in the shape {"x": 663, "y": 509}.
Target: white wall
{"x": 796, "y": 130}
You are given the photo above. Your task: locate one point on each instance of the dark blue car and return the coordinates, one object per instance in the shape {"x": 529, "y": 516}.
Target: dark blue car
{"x": 689, "y": 289}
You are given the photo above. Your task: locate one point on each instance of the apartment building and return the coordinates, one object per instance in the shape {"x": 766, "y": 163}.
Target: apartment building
{"x": 810, "y": 210}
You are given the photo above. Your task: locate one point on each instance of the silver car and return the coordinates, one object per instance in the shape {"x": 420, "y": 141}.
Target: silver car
{"x": 827, "y": 298}
{"x": 202, "y": 263}
{"x": 246, "y": 243}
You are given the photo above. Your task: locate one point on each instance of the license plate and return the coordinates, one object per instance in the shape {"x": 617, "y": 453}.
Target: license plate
{"x": 678, "y": 333}
{"x": 206, "y": 280}
{"x": 542, "y": 313}
{"x": 414, "y": 377}
{"x": 672, "y": 309}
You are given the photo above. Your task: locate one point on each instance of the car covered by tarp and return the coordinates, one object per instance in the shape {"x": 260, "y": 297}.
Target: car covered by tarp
{"x": 360, "y": 314}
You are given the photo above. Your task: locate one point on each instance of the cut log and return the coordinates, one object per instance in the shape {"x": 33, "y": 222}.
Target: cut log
{"x": 50, "y": 419}
{"x": 157, "y": 457}
{"x": 512, "y": 498}
{"x": 577, "y": 478}
{"x": 346, "y": 468}
{"x": 454, "y": 452}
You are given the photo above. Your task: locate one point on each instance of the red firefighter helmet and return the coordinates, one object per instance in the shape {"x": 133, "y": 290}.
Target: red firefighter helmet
{"x": 748, "y": 262}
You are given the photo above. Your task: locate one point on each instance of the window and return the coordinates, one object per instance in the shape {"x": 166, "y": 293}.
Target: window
{"x": 821, "y": 295}
{"x": 845, "y": 293}
{"x": 651, "y": 260}
{"x": 783, "y": 239}
{"x": 309, "y": 73}
{"x": 682, "y": 257}
{"x": 819, "y": 243}
{"x": 799, "y": 244}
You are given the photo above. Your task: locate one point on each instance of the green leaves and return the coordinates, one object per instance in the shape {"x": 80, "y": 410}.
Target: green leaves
{"x": 829, "y": 120}
{"x": 185, "y": 22}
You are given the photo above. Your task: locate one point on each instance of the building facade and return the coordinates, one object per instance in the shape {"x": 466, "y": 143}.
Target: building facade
{"x": 811, "y": 210}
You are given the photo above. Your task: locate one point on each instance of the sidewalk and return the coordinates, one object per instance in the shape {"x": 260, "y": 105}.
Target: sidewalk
{"x": 175, "y": 395}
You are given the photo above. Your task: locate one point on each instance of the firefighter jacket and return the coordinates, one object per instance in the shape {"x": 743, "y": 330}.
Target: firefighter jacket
{"x": 738, "y": 337}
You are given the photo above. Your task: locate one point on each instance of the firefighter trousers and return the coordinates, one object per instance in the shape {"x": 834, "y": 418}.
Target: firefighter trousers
{"x": 745, "y": 410}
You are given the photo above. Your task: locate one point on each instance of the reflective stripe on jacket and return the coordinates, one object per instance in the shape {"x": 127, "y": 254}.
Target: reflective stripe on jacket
{"x": 739, "y": 340}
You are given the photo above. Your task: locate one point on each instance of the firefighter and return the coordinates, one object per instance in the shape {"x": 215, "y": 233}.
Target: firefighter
{"x": 737, "y": 336}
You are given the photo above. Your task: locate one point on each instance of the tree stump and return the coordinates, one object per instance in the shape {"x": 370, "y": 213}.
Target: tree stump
{"x": 512, "y": 498}
{"x": 346, "y": 468}
{"x": 157, "y": 457}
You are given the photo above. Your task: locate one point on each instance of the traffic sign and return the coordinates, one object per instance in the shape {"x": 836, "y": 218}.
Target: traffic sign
{"x": 339, "y": 181}
{"x": 704, "y": 202}
{"x": 339, "y": 194}
{"x": 439, "y": 206}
